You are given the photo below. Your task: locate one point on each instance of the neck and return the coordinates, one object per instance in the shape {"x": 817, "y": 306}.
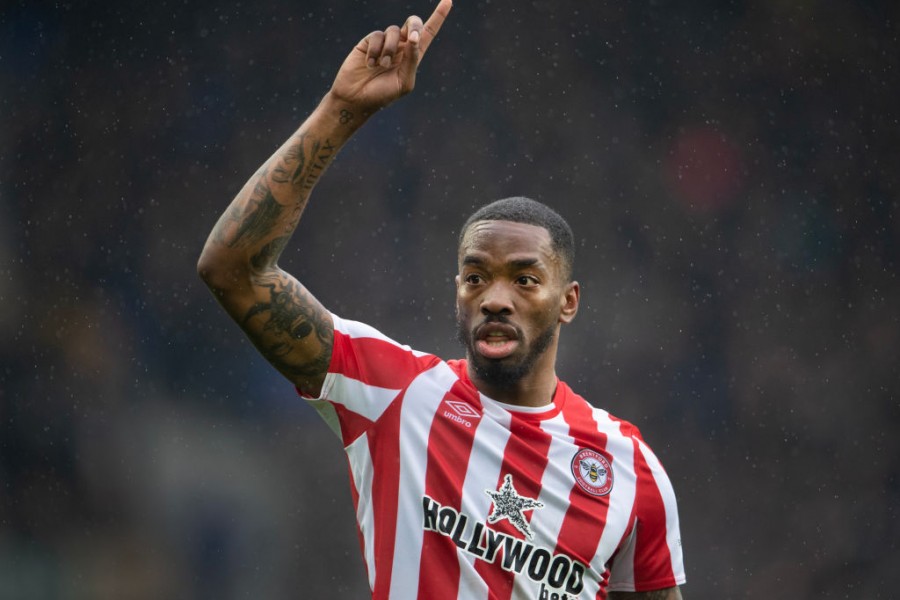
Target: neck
{"x": 534, "y": 389}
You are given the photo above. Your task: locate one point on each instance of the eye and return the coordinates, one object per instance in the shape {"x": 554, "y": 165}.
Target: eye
{"x": 474, "y": 279}
{"x": 527, "y": 280}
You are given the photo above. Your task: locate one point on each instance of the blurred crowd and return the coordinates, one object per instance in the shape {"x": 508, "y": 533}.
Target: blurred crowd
{"x": 731, "y": 173}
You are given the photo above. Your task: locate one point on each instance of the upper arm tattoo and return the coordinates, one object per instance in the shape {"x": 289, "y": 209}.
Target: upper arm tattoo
{"x": 290, "y": 328}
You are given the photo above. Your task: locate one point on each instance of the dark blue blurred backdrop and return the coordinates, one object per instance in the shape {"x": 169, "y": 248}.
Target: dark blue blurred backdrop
{"x": 730, "y": 168}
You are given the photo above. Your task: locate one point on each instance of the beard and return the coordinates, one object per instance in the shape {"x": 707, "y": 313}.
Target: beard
{"x": 501, "y": 373}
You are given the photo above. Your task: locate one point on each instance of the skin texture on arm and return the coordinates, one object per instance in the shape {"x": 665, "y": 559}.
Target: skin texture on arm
{"x": 673, "y": 593}
{"x": 292, "y": 330}
{"x": 239, "y": 261}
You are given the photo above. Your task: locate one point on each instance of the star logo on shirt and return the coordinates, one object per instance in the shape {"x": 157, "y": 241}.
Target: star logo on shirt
{"x": 509, "y": 505}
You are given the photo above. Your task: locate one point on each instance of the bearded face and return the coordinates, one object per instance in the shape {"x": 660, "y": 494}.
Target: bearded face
{"x": 510, "y": 301}
{"x": 508, "y": 371}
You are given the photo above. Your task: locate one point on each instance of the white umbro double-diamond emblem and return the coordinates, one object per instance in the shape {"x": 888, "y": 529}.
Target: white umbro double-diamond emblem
{"x": 463, "y": 409}
{"x": 460, "y": 412}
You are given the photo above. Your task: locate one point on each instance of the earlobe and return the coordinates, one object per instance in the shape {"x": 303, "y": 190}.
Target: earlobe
{"x": 569, "y": 300}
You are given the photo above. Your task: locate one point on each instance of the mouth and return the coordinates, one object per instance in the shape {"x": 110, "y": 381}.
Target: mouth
{"x": 496, "y": 340}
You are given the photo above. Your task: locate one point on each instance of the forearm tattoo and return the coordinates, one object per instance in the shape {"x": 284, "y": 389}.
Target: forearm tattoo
{"x": 289, "y": 316}
{"x": 322, "y": 154}
{"x": 293, "y": 163}
{"x": 301, "y": 168}
{"x": 268, "y": 254}
{"x": 278, "y": 197}
{"x": 260, "y": 218}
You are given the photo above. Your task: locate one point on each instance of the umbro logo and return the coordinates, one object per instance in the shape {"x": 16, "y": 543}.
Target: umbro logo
{"x": 460, "y": 412}
{"x": 463, "y": 409}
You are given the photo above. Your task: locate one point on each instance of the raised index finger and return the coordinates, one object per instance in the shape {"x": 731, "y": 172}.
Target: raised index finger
{"x": 434, "y": 23}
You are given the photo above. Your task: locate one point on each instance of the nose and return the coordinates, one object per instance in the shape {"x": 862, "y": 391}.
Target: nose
{"x": 497, "y": 300}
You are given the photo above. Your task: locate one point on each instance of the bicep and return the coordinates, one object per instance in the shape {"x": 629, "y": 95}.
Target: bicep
{"x": 289, "y": 327}
{"x": 672, "y": 593}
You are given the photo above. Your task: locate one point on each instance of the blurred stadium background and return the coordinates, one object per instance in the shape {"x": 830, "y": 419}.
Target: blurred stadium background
{"x": 731, "y": 171}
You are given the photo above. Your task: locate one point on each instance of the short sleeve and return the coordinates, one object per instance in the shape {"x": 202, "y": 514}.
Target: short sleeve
{"x": 367, "y": 372}
{"x": 650, "y": 558}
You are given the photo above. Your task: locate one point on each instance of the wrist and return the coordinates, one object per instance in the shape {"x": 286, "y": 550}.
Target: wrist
{"x": 344, "y": 116}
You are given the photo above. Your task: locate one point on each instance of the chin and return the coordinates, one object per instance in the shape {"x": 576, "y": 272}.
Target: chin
{"x": 499, "y": 373}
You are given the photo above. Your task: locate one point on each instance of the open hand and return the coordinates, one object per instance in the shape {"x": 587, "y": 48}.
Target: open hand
{"x": 382, "y": 66}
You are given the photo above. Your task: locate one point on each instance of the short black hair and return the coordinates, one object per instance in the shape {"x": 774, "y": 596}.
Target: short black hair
{"x": 520, "y": 209}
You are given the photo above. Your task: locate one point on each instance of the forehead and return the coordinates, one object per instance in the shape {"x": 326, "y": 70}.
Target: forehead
{"x": 502, "y": 240}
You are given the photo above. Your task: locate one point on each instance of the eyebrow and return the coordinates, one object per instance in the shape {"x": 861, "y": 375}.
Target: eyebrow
{"x": 521, "y": 263}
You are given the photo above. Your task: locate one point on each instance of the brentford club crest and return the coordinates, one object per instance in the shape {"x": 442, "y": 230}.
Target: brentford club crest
{"x": 592, "y": 472}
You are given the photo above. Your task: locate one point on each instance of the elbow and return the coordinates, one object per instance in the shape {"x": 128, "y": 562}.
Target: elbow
{"x": 219, "y": 271}
{"x": 206, "y": 265}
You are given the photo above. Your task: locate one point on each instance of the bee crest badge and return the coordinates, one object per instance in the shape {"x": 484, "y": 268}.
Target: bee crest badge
{"x": 592, "y": 472}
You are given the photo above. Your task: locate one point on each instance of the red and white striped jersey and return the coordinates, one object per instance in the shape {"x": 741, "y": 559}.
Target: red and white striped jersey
{"x": 460, "y": 496}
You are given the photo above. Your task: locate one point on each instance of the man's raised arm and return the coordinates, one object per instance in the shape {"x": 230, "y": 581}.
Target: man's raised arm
{"x": 239, "y": 261}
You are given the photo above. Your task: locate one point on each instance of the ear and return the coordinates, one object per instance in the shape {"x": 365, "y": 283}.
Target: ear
{"x": 569, "y": 302}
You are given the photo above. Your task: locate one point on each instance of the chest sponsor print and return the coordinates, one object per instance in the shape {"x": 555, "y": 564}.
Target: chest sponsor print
{"x": 558, "y": 575}
{"x": 509, "y": 505}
